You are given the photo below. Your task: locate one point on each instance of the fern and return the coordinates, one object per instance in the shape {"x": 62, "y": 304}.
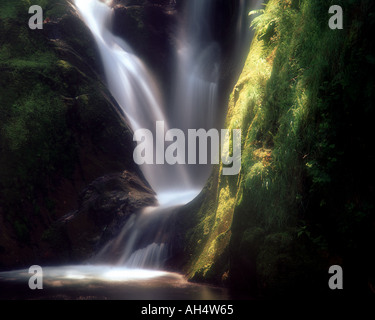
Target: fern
{"x": 258, "y": 11}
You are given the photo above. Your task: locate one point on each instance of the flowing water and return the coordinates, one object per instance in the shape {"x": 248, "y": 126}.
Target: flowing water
{"x": 143, "y": 243}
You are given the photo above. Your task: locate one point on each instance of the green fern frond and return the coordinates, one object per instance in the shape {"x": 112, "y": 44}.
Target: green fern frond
{"x": 254, "y": 12}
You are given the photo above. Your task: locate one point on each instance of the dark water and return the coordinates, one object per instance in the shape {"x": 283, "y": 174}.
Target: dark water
{"x": 105, "y": 283}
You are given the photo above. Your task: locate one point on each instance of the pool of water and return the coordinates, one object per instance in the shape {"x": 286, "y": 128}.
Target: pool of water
{"x": 105, "y": 283}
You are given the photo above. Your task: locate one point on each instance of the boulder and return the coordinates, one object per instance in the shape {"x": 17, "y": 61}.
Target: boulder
{"x": 104, "y": 207}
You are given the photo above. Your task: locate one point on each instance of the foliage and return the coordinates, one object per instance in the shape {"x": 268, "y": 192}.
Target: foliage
{"x": 35, "y": 142}
{"x": 59, "y": 128}
{"x": 303, "y": 103}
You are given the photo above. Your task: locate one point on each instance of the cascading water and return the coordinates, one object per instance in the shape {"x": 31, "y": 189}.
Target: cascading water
{"x": 143, "y": 240}
{"x": 197, "y": 69}
{"x": 131, "y": 85}
{"x": 197, "y": 76}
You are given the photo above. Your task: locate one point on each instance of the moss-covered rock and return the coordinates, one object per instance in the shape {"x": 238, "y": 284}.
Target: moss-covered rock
{"x": 302, "y": 200}
{"x": 60, "y": 128}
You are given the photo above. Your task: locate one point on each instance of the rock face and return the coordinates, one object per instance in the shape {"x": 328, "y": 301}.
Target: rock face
{"x": 104, "y": 207}
{"x": 62, "y": 131}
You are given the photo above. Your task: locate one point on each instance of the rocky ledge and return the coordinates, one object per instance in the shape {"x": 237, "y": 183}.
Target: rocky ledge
{"x": 104, "y": 207}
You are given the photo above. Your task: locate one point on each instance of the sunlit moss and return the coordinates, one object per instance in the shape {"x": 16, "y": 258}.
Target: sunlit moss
{"x": 291, "y": 102}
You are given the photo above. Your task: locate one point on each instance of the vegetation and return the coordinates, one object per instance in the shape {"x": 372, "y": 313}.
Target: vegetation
{"x": 35, "y": 141}
{"x": 304, "y": 199}
{"x": 58, "y": 128}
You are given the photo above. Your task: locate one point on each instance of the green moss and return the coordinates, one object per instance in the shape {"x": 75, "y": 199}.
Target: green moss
{"x": 10, "y": 9}
{"x": 302, "y": 102}
{"x": 55, "y": 9}
{"x": 35, "y": 141}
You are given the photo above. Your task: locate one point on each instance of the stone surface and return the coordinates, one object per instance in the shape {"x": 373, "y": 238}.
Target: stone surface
{"x": 98, "y": 146}
{"x": 104, "y": 207}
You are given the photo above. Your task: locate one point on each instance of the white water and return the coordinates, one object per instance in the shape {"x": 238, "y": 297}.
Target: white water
{"x": 144, "y": 239}
{"x": 143, "y": 242}
{"x": 198, "y": 67}
{"x": 134, "y": 90}
{"x": 87, "y": 272}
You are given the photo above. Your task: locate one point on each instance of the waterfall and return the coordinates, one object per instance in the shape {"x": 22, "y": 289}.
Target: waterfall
{"x": 144, "y": 238}
{"x": 143, "y": 241}
{"x": 196, "y": 80}
{"x": 133, "y": 88}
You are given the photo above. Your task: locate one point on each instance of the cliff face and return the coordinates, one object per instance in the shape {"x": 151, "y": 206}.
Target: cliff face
{"x": 303, "y": 200}
{"x": 60, "y": 130}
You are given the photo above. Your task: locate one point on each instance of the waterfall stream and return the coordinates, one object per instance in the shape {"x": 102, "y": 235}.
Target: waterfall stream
{"x": 120, "y": 268}
{"x": 144, "y": 238}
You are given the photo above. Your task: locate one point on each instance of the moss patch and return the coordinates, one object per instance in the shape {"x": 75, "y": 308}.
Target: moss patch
{"x": 59, "y": 127}
{"x": 302, "y": 198}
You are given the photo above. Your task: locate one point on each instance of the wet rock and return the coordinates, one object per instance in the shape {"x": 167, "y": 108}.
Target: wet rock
{"x": 93, "y": 141}
{"x": 149, "y": 27}
{"x": 104, "y": 207}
